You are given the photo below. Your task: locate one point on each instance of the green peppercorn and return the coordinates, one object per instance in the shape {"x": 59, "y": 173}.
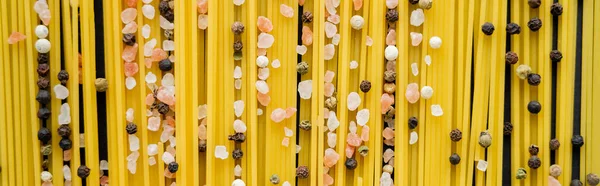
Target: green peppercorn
{"x": 131, "y": 128}
{"x": 351, "y": 163}
{"x": 513, "y": 28}
{"x": 43, "y": 97}
{"x": 425, "y": 4}
{"x": 302, "y": 68}
{"x": 43, "y": 83}
{"x": 165, "y": 65}
{"x": 508, "y": 127}
{"x": 534, "y": 107}
{"x": 391, "y": 15}
{"x": 534, "y": 3}
{"x": 511, "y": 57}
{"x": 363, "y": 150}
{"x": 534, "y": 162}
{"x": 46, "y": 150}
{"x": 305, "y": 125}
{"x": 455, "y": 135}
{"x": 169, "y": 33}
{"x": 521, "y": 173}
{"x": 577, "y": 141}
{"x": 555, "y": 56}
{"x": 237, "y": 137}
{"x": 83, "y": 171}
{"x": 101, "y": 84}
{"x": 535, "y": 24}
{"x": 64, "y": 131}
{"x": 44, "y": 113}
{"x": 237, "y": 28}
{"x": 237, "y": 154}
{"x": 592, "y": 179}
{"x": 556, "y": 9}
{"x": 129, "y": 39}
{"x": 331, "y": 103}
{"x": 534, "y": 149}
{"x": 454, "y": 159}
{"x": 173, "y": 167}
{"x": 44, "y": 135}
{"x": 413, "y": 122}
{"x": 302, "y": 172}
{"x": 307, "y": 17}
{"x": 488, "y": 28}
{"x": 554, "y": 144}
{"x": 274, "y": 179}
{"x": 65, "y": 144}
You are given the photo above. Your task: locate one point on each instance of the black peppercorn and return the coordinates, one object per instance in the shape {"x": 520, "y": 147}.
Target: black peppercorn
{"x": 534, "y": 3}
{"x": 555, "y": 56}
{"x": 413, "y": 1}
{"x": 173, "y": 167}
{"x": 534, "y": 162}
{"x": 129, "y": 39}
{"x": 43, "y": 113}
{"x": 455, "y": 135}
{"x": 131, "y": 128}
{"x": 43, "y": 97}
{"x": 305, "y": 125}
{"x": 413, "y": 122}
{"x": 165, "y": 65}
{"x": 534, "y": 79}
{"x": 389, "y": 76}
{"x": 169, "y": 15}
{"x": 534, "y": 107}
{"x": 44, "y": 135}
{"x": 169, "y": 34}
{"x": 237, "y": 28}
{"x": 43, "y": 83}
{"x": 592, "y": 179}
{"x": 454, "y": 159}
{"x": 576, "y": 182}
{"x": 63, "y": 77}
{"x": 43, "y": 69}
{"x": 534, "y": 149}
{"x": 64, "y": 131}
{"x": 535, "y": 24}
{"x": 307, "y": 17}
{"x": 351, "y": 163}
{"x": 508, "y": 127}
{"x": 163, "y": 108}
{"x": 513, "y": 28}
{"x": 511, "y": 57}
{"x": 577, "y": 141}
{"x": 65, "y": 144}
{"x": 391, "y": 15}
{"x": 43, "y": 58}
{"x": 554, "y": 144}
{"x": 202, "y": 146}
{"x": 163, "y": 6}
{"x": 237, "y": 137}
{"x": 302, "y": 172}
{"x": 238, "y": 45}
{"x": 237, "y": 154}
{"x": 556, "y": 9}
{"x": 365, "y": 86}
{"x": 83, "y": 171}
{"x": 488, "y": 28}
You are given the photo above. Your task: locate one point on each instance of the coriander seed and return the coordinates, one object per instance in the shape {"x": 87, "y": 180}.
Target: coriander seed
{"x": 237, "y": 28}
{"x": 101, "y": 84}
{"x": 305, "y": 125}
{"x": 485, "y": 139}
{"x": 46, "y": 150}
{"x": 389, "y": 88}
{"x": 64, "y": 131}
{"x": 331, "y": 103}
{"x": 63, "y": 77}
{"x": 302, "y": 68}
{"x": 274, "y": 179}
{"x": 389, "y": 76}
{"x": 555, "y": 170}
{"x": 391, "y": 16}
{"x": 592, "y": 179}
{"x": 307, "y": 17}
{"x": 363, "y": 150}
{"x": 425, "y": 4}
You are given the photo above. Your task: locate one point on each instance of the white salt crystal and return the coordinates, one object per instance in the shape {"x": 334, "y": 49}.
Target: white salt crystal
{"x": 336, "y": 39}
{"x": 132, "y": 166}
{"x": 134, "y": 142}
{"x": 239, "y": 126}
{"x": 168, "y": 157}
{"x": 168, "y": 45}
{"x": 202, "y": 111}
{"x": 386, "y": 179}
{"x": 353, "y": 101}
{"x": 148, "y": 11}
{"x": 413, "y": 137}
{"x": 149, "y": 46}
{"x": 103, "y": 165}
{"x": 436, "y": 110}
{"x": 237, "y": 72}
{"x": 416, "y": 38}
{"x": 203, "y": 21}
{"x": 65, "y": 114}
{"x": 151, "y": 161}
{"x": 362, "y": 117}
{"x": 129, "y": 115}
{"x": 435, "y": 42}
{"x": 415, "y": 69}
{"x": 238, "y": 84}
{"x": 46, "y": 176}
{"x": 146, "y": 31}
{"x": 130, "y": 83}
{"x": 133, "y": 156}
{"x": 61, "y": 92}
{"x": 298, "y": 148}
{"x": 237, "y": 171}
{"x": 482, "y": 165}
{"x": 168, "y": 80}
{"x": 153, "y": 123}
{"x": 427, "y": 60}
{"x": 221, "y": 152}
{"x": 332, "y": 122}
{"x": 426, "y": 92}
{"x": 152, "y": 149}
{"x": 150, "y": 78}
{"x": 238, "y": 2}
{"x": 301, "y": 49}
{"x": 331, "y": 139}
{"x": 165, "y": 24}
{"x": 238, "y": 182}
{"x": 286, "y": 183}
{"x": 172, "y": 141}
{"x": 305, "y": 89}
{"x": 238, "y": 107}
{"x": 262, "y": 86}
{"x": 276, "y": 64}
{"x": 259, "y": 111}
{"x": 288, "y": 132}
{"x": 263, "y": 73}
{"x": 67, "y": 172}
{"x": 353, "y": 64}
{"x": 417, "y": 17}
{"x": 352, "y": 127}
{"x": 262, "y": 61}
{"x": 391, "y": 52}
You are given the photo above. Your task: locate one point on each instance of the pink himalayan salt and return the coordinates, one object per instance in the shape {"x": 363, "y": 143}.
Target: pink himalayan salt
{"x": 45, "y": 16}
{"x": 329, "y": 76}
{"x": 416, "y": 38}
{"x": 158, "y": 54}
{"x": 47, "y": 183}
{"x": 153, "y": 123}
{"x": 387, "y": 155}
{"x": 285, "y": 142}
{"x": 131, "y": 3}
{"x": 128, "y": 15}
{"x": 329, "y": 5}
{"x": 278, "y": 115}
{"x": 301, "y": 49}
{"x": 131, "y": 69}
{"x": 261, "y": 51}
{"x": 263, "y": 99}
{"x": 264, "y": 24}
{"x": 329, "y": 89}
{"x": 327, "y": 180}
{"x": 307, "y": 36}
{"x": 148, "y": 62}
{"x": 38, "y": 6}
{"x": 202, "y": 6}
{"x": 202, "y": 132}
{"x": 166, "y": 97}
{"x": 286, "y": 11}
{"x": 349, "y": 151}
{"x": 331, "y": 157}
{"x": 335, "y": 19}
{"x": 130, "y": 52}
{"x": 67, "y": 154}
{"x": 169, "y": 120}
{"x": 391, "y": 4}
{"x": 330, "y": 29}
{"x": 358, "y": 4}
{"x": 364, "y": 133}
{"x": 130, "y": 28}
{"x": 149, "y": 99}
{"x": 17, "y": 36}
{"x": 369, "y": 41}
{"x": 329, "y": 51}
{"x": 412, "y": 93}
{"x": 390, "y": 39}
{"x": 386, "y": 102}
{"x": 202, "y": 21}
{"x": 290, "y": 111}
{"x": 104, "y": 180}
{"x": 265, "y": 40}
{"x": 553, "y": 182}
{"x": 168, "y": 173}
{"x": 325, "y": 113}
{"x": 301, "y": 2}
{"x": 353, "y": 140}
{"x": 388, "y": 133}
{"x": 263, "y": 73}
{"x": 389, "y": 142}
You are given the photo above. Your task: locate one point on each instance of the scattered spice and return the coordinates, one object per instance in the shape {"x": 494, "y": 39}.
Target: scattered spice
{"x": 508, "y": 127}
{"x": 83, "y": 171}
{"x": 556, "y": 56}
{"x": 523, "y": 71}
{"x": 351, "y": 163}
{"x": 455, "y": 135}
{"x": 274, "y": 179}
{"x": 202, "y": 146}
{"x": 162, "y": 108}
{"x": 65, "y": 144}
{"x": 43, "y": 69}
{"x": 554, "y": 144}
{"x": 302, "y": 172}
{"x": 63, "y": 77}
{"x": 535, "y": 24}
{"x": 534, "y": 162}
{"x": 43, "y": 83}
{"x": 389, "y": 76}
{"x": 169, "y": 33}
{"x": 173, "y": 167}
{"x": 485, "y": 139}
{"x": 534, "y": 79}
{"x": 169, "y": 15}
{"x": 413, "y": 1}
{"x": 577, "y": 141}
{"x": 43, "y": 58}
{"x": 534, "y": 107}
{"x": 165, "y": 65}
{"x": 307, "y": 17}
{"x": 237, "y": 137}
{"x": 556, "y": 9}
{"x": 129, "y": 39}
{"x": 513, "y": 28}
{"x": 521, "y": 173}
{"x": 365, "y": 86}
{"x": 555, "y": 170}
{"x": 302, "y": 68}
{"x": 131, "y": 128}
{"x": 413, "y": 122}
{"x": 44, "y": 113}
{"x": 392, "y": 15}
{"x": 46, "y": 150}
{"x": 331, "y": 103}
{"x": 237, "y": 28}
{"x": 64, "y": 131}
{"x": 511, "y": 57}
{"x": 238, "y": 45}
{"x": 363, "y": 150}
{"x": 237, "y": 154}
{"x": 43, "y": 97}
{"x": 534, "y": 149}
{"x": 163, "y": 7}
{"x": 454, "y": 159}
{"x": 534, "y": 3}
{"x": 488, "y": 28}
{"x": 592, "y": 179}
{"x": 425, "y": 4}
{"x": 305, "y": 125}
{"x": 101, "y": 84}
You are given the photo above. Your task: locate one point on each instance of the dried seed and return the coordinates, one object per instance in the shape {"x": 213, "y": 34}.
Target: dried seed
{"x": 534, "y": 149}
{"x": 455, "y": 135}
{"x": 555, "y": 56}
{"x": 351, "y": 163}
{"x": 302, "y": 172}
{"x": 534, "y": 107}
{"x": 534, "y": 79}
{"x": 454, "y": 159}
{"x": 511, "y": 57}
{"x": 554, "y": 144}
{"x": 513, "y": 28}
{"x": 64, "y": 131}
{"x": 521, "y": 173}
{"x": 534, "y": 162}
{"x": 488, "y": 28}
{"x": 577, "y": 141}
{"x": 131, "y": 128}
{"x": 535, "y": 24}
{"x": 556, "y": 9}
{"x": 83, "y": 171}
{"x": 43, "y": 113}
{"x": 508, "y": 127}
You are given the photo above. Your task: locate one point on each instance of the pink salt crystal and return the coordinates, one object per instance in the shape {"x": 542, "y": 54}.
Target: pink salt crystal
{"x": 301, "y": 2}
{"x": 412, "y": 93}
{"x": 329, "y": 5}
{"x": 104, "y": 180}
{"x": 301, "y": 49}
{"x": 389, "y": 142}
{"x": 290, "y": 111}
{"x": 416, "y": 38}
{"x": 38, "y": 6}
{"x": 553, "y": 182}
{"x": 16, "y": 37}
{"x": 168, "y": 173}
{"x": 331, "y": 157}
{"x": 390, "y": 39}
{"x": 47, "y": 183}
{"x": 128, "y": 15}
{"x": 285, "y": 142}
{"x": 158, "y": 54}
{"x": 278, "y": 115}
{"x": 202, "y": 132}
{"x": 335, "y": 19}
{"x": 131, "y": 3}
{"x": 307, "y": 36}
{"x": 388, "y": 133}
{"x": 202, "y": 6}
{"x": 263, "y": 73}
{"x": 165, "y": 97}
{"x": 265, "y": 40}
{"x": 264, "y": 24}
{"x": 261, "y": 51}
{"x": 153, "y": 123}
{"x": 349, "y": 151}
{"x": 325, "y": 113}
{"x": 329, "y": 51}
{"x": 330, "y": 29}
{"x": 329, "y": 89}
{"x": 369, "y": 41}
{"x": 329, "y": 76}
{"x": 67, "y": 154}
{"x": 130, "y": 28}
{"x": 131, "y": 69}
{"x": 386, "y": 103}
{"x": 327, "y": 180}
{"x": 353, "y": 140}
{"x": 364, "y": 133}
{"x": 263, "y": 99}
{"x": 387, "y": 155}
{"x": 148, "y": 62}
{"x": 45, "y": 16}
{"x": 130, "y": 52}
{"x": 286, "y": 11}
{"x": 358, "y": 4}
{"x": 202, "y": 21}
{"x": 149, "y": 99}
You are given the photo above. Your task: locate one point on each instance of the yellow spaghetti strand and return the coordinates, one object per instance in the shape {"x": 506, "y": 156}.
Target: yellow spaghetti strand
{"x": 587, "y": 96}
{"x": 5, "y": 114}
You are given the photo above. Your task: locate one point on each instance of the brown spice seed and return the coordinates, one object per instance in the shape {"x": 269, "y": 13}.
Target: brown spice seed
{"x": 488, "y": 28}
{"x": 238, "y": 45}
{"x": 237, "y": 28}
{"x": 43, "y": 83}
{"x": 508, "y": 127}
{"x": 365, "y": 86}
{"x": 554, "y": 144}
{"x": 556, "y": 9}
{"x": 307, "y": 17}
{"x": 129, "y": 39}
{"x": 43, "y": 113}
{"x": 63, "y": 77}
{"x": 454, "y": 159}
{"x": 389, "y": 76}
{"x": 555, "y": 56}
{"x": 577, "y": 141}
{"x": 534, "y": 3}
{"x": 43, "y": 69}
{"x": 302, "y": 172}
{"x": 391, "y": 15}
{"x": 535, "y": 24}
{"x": 455, "y": 135}
{"x": 511, "y": 57}
{"x": 534, "y": 107}
{"x": 43, "y": 58}
{"x": 237, "y": 154}
{"x": 64, "y": 131}
{"x": 534, "y": 162}
{"x": 83, "y": 171}
{"x": 534, "y": 79}
{"x": 534, "y": 149}
{"x": 513, "y": 28}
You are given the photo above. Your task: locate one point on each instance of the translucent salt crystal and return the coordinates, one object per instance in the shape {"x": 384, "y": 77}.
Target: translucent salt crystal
{"x": 332, "y": 121}
{"x": 278, "y": 115}
{"x": 264, "y": 24}
{"x": 357, "y": 22}
{"x": 168, "y": 45}
{"x": 307, "y": 36}
{"x": 286, "y": 11}
{"x": 16, "y": 37}
{"x": 413, "y": 138}
{"x": 435, "y": 42}
{"x": 66, "y": 172}
{"x": 238, "y": 182}
{"x": 331, "y": 157}
{"x": 133, "y": 156}
{"x": 285, "y": 142}
{"x": 298, "y": 148}
{"x": 129, "y": 28}
{"x": 276, "y": 64}
{"x": 65, "y": 114}
{"x": 290, "y": 111}
{"x": 151, "y": 160}
{"x": 386, "y": 179}
{"x": 237, "y": 171}
{"x": 362, "y": 117}
{"x": 327, "y": 179}
{"x": 412, "y": 93}
{"x": 202, "y": 21}
{"x": 41, "y": 45}
{"x": 391, "y": 4}
{"x": 262, "y": 61}
{"x": 265, "y": 40}
{"x": 237, "y": 84}
{"x": 329, "y": 89}
{"x": 357, "y": 4}
{"x": 168, "y": 157}
{"x": 221, "y": 152}
{"x": 130, "y": 69}
{"x": 237, "y": 72}
{"x": 146, "y": 31}
{"x": 103, "y": 165}
{"x": 263, "y": 99}
{"x": 239, "y": 126}
{"x": 128, "y": 15}
{"x": 171, "y": 150}
{"x": 238, "y": 2}
{"x": 329, "y": 51}
{"x": 329, "y": 5}
{"x": 61, "y": 92}
{"x": 330, "y": 29}
{"x": 165, "y": 24}
{"x": 364, "y": 133}
{"x": 263, "y": 73}
{"x": 286, "y": 183}
{"x": 328, "y": 78}
{"x": 391, "y": 52}
{"x": 152, "y": 149}
{"x": 336, "y": 39}
{"x": 352, "y": 127}
{"x": 369, "y": 41}
{"x": 168, "y": 80}
{"x": 202, "y": 6}
{"x": 390, "y": 39}
{"x": 416, "y": 38}
{"x": 353, "y": 64}
{"x": 130, "y": 83}
{"x": 417, "y": 17}
{"x": 353, "y": 140}
{"x": 132, "y": 167}
{"x": 238, "y": 107}
{"x": 482, "y": 165}
{"x": 301, "y": 49}
{"x": 134, "y": 142}
{"x": 436, "y": 110}
{"x": 353, "y": 101}
{"x": 288, "y": 132}
{"x": 148, "y": 11}
{"x": 153, "y": 123}
{"x": 387, "y": 155}
{"x": 259, "y": 111}
{"x": 388, "y": 133}
{"x": 166, "y": 134}
{"x": 262, "y": 86}
{"x": 427, "y": 60}
{"x": 553, "y": 181}
{"x": 147, "y": 1}
{"x": 426, "y": 92}
{"x": 45, "y": 16}
{"x": 415, "y": 69}
{"x": 149, "y": 46}
{"x": 202, "y": 111}
{"x": 305, "y": 89}
{"x": 150, "y": 78}
{"x": 172, "y": 141}
{"x": 202, "y": 132}
{"x": 38, "y": 6}
{"x": 158, "y": 54}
